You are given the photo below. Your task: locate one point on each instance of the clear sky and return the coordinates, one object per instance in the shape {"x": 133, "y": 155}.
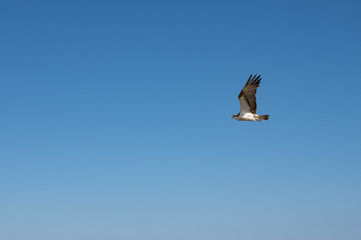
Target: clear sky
{"x": 116, "y": 121}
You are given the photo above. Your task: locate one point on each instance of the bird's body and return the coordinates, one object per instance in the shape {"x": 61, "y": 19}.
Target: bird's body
{"x": 247, "y": 99}
{"x": 242, "y": 116}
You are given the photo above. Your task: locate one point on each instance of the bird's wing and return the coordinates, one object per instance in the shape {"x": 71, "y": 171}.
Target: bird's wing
{"x": 247, "y": 97}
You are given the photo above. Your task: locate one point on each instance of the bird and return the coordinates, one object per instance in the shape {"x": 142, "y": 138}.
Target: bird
{"x": 247, "y": 99}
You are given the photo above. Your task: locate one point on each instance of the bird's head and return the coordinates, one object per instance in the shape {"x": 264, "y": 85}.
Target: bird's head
{"x": 235, "y": 115}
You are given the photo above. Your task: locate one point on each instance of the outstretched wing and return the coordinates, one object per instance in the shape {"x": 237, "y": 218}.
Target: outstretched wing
{"x": 247, "y": 97}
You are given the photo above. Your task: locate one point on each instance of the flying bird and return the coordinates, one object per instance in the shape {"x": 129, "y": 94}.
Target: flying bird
{"x": 247, "y": 99}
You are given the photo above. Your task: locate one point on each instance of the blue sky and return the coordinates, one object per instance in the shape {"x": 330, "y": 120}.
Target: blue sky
{"x": 116, "y": 120}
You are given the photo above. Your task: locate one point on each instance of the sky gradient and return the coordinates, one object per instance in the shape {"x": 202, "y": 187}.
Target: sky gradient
{"x": 116, "y": 120}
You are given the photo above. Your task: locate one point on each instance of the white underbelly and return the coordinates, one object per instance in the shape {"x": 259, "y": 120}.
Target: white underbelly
{"x": 247, "y": 116}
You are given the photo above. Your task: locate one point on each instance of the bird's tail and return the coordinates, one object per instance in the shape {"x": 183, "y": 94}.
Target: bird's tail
{"x": 263, "y": 117}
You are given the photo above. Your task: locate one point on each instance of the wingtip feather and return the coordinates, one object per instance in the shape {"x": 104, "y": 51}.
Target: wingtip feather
{"x": 254, "y": 80}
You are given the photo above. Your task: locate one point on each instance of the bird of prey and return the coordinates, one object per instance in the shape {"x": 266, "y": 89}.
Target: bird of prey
{"x": 247, "y": 99}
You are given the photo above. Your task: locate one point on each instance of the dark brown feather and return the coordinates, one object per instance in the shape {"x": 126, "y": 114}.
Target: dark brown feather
{"x": 247, "y": 97}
